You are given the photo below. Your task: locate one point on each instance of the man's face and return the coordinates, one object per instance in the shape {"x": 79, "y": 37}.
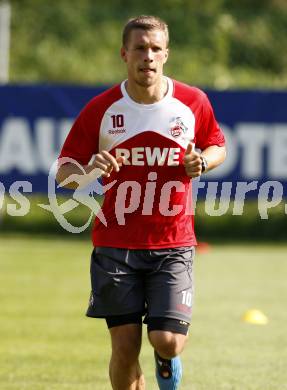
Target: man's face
{"x": 145, "y": 55}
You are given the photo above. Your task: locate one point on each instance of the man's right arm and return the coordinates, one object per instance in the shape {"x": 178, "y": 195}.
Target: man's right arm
{"x": 72, "y": 176}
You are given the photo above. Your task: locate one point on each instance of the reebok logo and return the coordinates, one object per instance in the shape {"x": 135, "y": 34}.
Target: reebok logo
{"x": 117, "y": 131}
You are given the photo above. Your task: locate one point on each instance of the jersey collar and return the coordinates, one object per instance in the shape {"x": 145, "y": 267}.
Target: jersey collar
{"x": 148, "y": 106}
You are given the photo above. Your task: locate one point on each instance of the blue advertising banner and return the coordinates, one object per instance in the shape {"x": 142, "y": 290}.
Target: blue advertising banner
{"x": 35, "y": 119}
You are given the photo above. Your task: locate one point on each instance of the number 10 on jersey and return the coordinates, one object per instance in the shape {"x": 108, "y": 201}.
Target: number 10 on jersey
{"x": 118, "y": 120}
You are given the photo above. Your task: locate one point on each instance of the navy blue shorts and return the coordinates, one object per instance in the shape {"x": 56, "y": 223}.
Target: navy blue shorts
{"x": 155, "y": 283}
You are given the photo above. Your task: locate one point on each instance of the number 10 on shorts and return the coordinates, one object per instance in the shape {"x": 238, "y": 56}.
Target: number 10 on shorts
{"x": 186, "y": 298}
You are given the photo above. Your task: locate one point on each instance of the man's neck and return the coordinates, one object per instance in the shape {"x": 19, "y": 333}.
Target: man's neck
{"x": 147, "y": 95}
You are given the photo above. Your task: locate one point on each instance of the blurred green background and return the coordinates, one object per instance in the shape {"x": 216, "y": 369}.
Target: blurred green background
{"x": 214, "y": 43}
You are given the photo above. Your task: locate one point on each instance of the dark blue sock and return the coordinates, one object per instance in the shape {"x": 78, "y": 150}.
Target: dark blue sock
{"x": 173, "y": 368}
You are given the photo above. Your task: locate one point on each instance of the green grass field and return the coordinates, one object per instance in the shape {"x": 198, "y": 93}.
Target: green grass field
{"x": 46, "y": 342}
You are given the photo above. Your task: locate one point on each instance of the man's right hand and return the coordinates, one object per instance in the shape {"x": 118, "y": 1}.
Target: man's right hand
{"x": 74, "y": 175}
{"x": 107, "y": 163}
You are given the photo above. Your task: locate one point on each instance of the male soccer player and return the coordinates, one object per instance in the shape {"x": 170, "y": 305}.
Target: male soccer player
{"x": 141, "y": 134}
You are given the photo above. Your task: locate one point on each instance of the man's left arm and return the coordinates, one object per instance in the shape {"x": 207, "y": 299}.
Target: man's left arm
{"x": 197, "y": 163}
{"x": 214, "y": 156}
{"x": 209, "y": 138}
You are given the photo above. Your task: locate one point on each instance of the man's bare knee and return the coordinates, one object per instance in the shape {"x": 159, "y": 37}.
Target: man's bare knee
{"x": 167, "y": 344}
{"x": 126, "y": 343}
{"x": 125, "y": 372}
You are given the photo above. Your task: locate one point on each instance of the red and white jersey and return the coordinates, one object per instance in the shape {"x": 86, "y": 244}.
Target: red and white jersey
{"x": 149, "y": 204}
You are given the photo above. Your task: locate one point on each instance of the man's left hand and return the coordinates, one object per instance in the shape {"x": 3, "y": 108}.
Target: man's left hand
{"x": 192, "y": 162}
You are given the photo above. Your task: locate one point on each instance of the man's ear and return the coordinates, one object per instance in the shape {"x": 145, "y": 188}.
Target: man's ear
{"x": 166, "y": 55}
{"x": 124, "y": 53}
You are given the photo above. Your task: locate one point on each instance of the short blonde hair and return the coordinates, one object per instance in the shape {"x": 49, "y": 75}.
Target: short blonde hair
{"x": 147, "y": 23}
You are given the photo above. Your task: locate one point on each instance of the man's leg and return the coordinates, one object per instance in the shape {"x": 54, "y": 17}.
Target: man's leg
{"x": 167, "y": 346}
{"x": 125, "y": 371}
{"x": 118, "y": 296}
{"x": 169, "y": 306}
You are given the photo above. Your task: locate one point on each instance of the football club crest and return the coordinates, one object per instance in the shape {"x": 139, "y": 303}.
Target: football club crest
{"x": 177, "y": 127}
